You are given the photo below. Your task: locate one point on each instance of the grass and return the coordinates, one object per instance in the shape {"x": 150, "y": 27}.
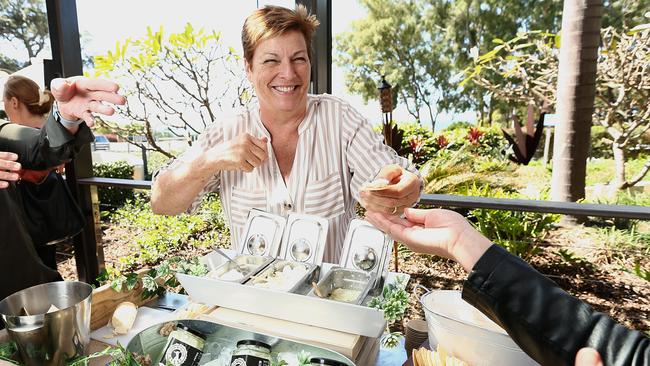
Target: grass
{"x": 599, "y": 171}
{"x": 602, "y": 170}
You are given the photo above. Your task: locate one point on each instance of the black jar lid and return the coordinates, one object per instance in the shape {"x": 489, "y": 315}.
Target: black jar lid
{"x": 326, "y": 361}
{"x": 193, "y": 331}
{"x": 252, "y": 342}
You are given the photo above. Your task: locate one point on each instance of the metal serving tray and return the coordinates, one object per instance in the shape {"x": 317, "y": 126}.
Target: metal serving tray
{"x": 301, "y": 286}
{"x": 339, "y": 316}
{"x": 253, "y": 263}
{"x": 347, "y": 280}
{"x": 221, "y": 341}
{"x": 366, "y": 249}
{"x": 263, "y": 234}
{"x": 304, "y": 239}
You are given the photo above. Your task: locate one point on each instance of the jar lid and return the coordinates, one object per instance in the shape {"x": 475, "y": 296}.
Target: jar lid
{"x": 326, "y": 361}
{"x": 190, "y": 330}
{"x": 251, "y": 342}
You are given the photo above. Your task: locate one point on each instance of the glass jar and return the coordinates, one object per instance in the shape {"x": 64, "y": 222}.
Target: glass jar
{"x": 184, "y": 347}
{"x": 319, "y": 361}
{"x": 251, "y": 353}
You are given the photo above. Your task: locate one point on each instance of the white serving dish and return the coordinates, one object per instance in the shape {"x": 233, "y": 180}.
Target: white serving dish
{"x": 467, "y": 334}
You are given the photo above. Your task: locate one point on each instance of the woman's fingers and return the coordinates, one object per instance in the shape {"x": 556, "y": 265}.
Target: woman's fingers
{"x": 107, "y": 97}
{"x": 94, "y": 84}
{"x": 8, "y": 157}
{"x": 588, "y": 357}
{"x": 98, "y": 107}
{"x": 258, "y": 152}
{"x": 88, "y": 118}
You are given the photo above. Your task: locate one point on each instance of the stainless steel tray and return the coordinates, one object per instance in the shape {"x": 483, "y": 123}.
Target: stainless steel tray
{"x": 347, "y": 280}
{"x": 339, "y": 316}
{"x": 263, "y": 234}
{"x": 304, "y": 239}
{"x": 221, "y": 340}
{"x": 253, "y": 263}
{"x": 299, "y": 286}
{"x": 366, "y": 249}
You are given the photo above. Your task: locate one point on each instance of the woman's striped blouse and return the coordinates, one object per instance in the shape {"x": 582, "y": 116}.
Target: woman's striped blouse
{"x": 337, "y": 152}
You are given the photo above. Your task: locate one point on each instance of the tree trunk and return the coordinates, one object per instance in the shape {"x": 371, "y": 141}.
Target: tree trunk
{"x": 576, "y": 87}
{"x": 619, "y": 166}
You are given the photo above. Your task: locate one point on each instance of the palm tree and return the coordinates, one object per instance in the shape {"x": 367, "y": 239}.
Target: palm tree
{"x": 576, "y": 88}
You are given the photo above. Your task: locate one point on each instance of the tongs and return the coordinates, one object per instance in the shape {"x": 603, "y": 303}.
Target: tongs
{"x": 240, "y": 268}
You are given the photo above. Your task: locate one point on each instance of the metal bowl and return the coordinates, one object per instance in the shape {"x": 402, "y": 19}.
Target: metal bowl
{"x": 345, "y": 285}
{"x": 230, "y": 272}
{"x": 300, "y": 285}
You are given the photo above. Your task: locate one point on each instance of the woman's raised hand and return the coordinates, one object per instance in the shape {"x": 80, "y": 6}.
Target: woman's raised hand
{"x": 8, "y": 168}
{"x": 245, "y": 152}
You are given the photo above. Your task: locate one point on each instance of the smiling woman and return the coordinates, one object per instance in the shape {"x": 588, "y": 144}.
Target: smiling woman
{"x": 293, "y": 152}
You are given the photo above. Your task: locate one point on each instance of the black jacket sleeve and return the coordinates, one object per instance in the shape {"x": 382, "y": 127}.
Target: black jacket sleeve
{"x": 44, "y": 148}
{"x": 550, "y": 325}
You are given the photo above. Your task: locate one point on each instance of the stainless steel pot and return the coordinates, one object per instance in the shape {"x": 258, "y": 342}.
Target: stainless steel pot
{"x": 53, "y": 338}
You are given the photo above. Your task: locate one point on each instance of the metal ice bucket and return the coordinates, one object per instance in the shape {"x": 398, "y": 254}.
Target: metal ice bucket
{"x": 52, "y": 338}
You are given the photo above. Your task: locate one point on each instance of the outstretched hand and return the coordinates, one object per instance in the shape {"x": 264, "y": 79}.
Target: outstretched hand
{"x": 78, "y": 97}
{"x": 402, "y": 191}
{"x": 440, "y": 232}
{"x": 588, "y": 357}
{"x": 8, "y": 168}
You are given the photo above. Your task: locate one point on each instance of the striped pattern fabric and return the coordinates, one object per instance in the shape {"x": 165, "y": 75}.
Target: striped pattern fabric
{"x": 337, "y": 152}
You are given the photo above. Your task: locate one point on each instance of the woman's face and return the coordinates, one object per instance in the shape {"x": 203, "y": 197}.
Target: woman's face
{"x": 280, "y": 73}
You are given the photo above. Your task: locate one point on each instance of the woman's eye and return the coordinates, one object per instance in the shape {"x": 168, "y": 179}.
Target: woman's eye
{"x": 270, "y": 61}
{"x": 300, "y": 59}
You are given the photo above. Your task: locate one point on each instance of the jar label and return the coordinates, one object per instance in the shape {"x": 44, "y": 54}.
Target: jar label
{"x": 179, "y": 353}
{"x": 247, "y": 360}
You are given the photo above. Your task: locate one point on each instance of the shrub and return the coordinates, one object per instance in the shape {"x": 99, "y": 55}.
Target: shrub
{"x": 156, "y": 160}
{"x": 158, "y": 237}
{"x": 486, "y": 142}
{"x": 600, "y": 147}
{"x": 450, "y": 171}
{"x": 464, "y": 125}
{"x": 622, "y": 198}
{"x": 518, "y": 232}
{"x": 418, "y": 144}
{"x": 112, "y": 197}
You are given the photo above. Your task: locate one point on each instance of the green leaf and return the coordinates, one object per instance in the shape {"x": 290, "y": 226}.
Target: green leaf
{"x": 498, "y": 41}
{"x": 149, "y": 283}
{"x": 117, "y": 283}
{"x": 131, "y": 281}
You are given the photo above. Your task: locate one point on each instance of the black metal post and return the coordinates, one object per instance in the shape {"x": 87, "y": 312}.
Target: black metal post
{"x": 66, "y": 61}
{"x": 321, "y": 63}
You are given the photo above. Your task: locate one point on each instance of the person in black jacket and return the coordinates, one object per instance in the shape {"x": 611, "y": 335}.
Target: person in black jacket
{"x": 59, "y": 140}
{"x": 550, "y": 325}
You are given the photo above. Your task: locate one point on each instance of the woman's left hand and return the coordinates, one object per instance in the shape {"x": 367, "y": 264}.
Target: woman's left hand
{"x": 79, "y": 97}
{"x": 402, "y": 191}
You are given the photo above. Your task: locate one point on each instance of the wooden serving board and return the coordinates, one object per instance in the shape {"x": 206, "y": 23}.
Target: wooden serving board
{"x": 349, "y": 345}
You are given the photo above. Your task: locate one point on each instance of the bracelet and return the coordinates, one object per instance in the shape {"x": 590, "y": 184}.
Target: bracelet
{"x": 65, "y": 122}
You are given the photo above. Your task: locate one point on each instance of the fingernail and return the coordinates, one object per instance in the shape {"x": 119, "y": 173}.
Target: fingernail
{"x": 16, "y": 166}
{"x": 4, "y": 184}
